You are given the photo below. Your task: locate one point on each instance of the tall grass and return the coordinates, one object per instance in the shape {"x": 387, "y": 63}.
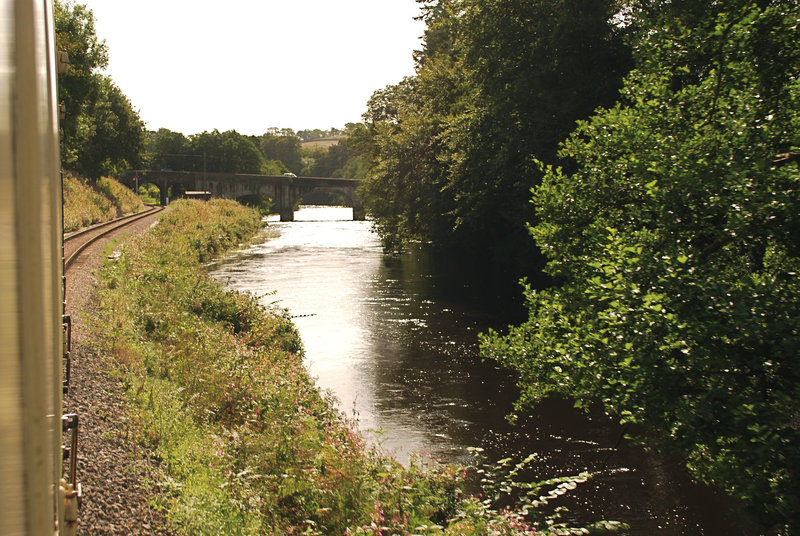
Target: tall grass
{"x": 86, "y": 203}
{"x": 122, "y": 197}
{"x": 250, "y": 445}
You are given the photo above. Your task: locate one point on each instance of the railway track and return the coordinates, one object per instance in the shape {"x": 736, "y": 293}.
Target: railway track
{"x": 76, "y": 242}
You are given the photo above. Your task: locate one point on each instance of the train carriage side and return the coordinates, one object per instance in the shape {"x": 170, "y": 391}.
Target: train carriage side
{"x": 31, "y": 291}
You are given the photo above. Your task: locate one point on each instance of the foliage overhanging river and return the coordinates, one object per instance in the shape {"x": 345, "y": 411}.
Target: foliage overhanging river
{"x": 394, "y": 339}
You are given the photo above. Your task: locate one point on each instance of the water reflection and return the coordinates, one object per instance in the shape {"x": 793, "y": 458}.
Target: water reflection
{"x": 395, "y": 340}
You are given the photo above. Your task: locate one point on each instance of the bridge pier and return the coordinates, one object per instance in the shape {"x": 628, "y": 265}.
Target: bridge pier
{"x": 286, "y": 202}
{"x": 359, "y": 214}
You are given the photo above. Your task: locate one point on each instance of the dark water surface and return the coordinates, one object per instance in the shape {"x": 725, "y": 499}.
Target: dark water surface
{"x": 394, "y": 339}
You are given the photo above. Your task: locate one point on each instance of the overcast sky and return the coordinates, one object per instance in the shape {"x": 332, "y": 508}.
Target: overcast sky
{"x": 247, "y": 65}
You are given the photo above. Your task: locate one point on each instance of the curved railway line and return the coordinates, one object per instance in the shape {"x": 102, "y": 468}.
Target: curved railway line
{"x": 76, "y": 242}
{"x": 112, "y": 484}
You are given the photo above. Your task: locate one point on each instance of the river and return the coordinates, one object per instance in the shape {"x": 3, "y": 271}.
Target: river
{"x": 394, "y": 339}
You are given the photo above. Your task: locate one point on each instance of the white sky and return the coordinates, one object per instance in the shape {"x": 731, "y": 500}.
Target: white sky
{"x": 247, "y": 65}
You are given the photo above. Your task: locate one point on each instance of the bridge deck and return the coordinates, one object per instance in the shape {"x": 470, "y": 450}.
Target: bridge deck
{"x": 285, "y": 191}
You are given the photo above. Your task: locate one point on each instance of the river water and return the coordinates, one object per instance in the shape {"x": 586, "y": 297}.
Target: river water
{"x": 394, "y": 339}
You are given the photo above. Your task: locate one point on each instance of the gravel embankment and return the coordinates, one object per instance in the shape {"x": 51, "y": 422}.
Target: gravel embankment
{"x": 118, "y": 477}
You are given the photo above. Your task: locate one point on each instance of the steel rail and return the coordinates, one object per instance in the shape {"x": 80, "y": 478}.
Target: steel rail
{"x": 75, "y": 234}
{"x": 105, "y": 229}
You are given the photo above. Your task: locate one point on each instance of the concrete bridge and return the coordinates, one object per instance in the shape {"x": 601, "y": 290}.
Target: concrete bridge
{"x": 286, "y": 192}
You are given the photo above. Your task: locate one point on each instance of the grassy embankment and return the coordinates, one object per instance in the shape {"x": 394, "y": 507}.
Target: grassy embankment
{"x": 249, "y": 443}
{"x": 86, "y": 203}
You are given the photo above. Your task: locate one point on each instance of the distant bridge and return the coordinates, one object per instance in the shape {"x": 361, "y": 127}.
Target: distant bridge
{"x": 285, "y": 192}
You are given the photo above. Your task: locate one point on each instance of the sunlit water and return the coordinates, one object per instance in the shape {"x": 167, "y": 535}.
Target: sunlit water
{"x": 395, "y": 340}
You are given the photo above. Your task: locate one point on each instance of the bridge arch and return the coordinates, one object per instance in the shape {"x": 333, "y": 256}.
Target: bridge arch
{"x": 334, "y": 196}
{"x": 149, "y": 191}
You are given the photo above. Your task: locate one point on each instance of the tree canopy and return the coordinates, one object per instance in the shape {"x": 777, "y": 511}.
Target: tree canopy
{"x": 283, "y": 148}
{"x": 269, "y": 154}
{"x": 676, "y": 237}
{"x": 215, "y": 151}
{"x": 498, "y": 84}
{"x": 103, "y": 134}
{"x": 669, "y": 217}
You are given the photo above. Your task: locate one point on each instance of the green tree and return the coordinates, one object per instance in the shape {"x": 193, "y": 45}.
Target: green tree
{"x": 360, "y": 143}
{"x": 498, "y": 83}
{"x": 169, "y": 150}
{"x": 441, "y": 18}
{"x": 534, "y": 69}
{"x": 677, "y": 239}
{"x": 228, "y": 152}
{"x": 403, "y": 189}
{"x": 401, "y": 140}
{"x": 75, "y": 34}
{"x": 274, "y": 167}
{"x": 283, "y": 148}
{"x": 342, "y": 159}
{"x": 103, "y": 134}
{"x": 115, "y": 136}
{"x": 210, "y": 151}
{"x": 308, "y": 135}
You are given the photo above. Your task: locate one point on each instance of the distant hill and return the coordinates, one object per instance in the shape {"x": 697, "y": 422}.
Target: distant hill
{"x": 325, "y": 142}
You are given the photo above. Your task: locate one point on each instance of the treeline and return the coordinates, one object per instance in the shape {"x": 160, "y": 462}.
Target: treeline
{"x": 224, "y": 152}
{"x": 275, "y": 152}
{"x": 310, "y": 134}
{"x": 651, "y": 148}
{"x": 317, "y": 134}
{"x": 104, "y": 135}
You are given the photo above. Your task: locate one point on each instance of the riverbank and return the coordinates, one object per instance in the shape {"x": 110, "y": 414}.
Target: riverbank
{"x": 223, "y": 399}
